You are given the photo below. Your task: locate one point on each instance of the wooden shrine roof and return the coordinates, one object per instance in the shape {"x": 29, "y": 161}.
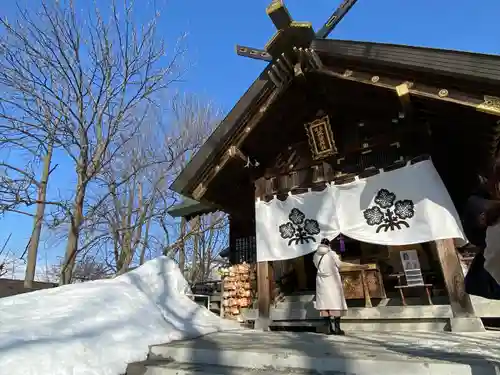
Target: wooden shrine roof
{"x": 460, "y": 70}
{"x": 456, "y": 64}
{"x": 189, "y": 208}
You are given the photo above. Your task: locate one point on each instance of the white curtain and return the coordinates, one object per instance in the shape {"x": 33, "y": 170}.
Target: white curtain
{"x": 406, "y": 206}
{"x": 294, "y": 227}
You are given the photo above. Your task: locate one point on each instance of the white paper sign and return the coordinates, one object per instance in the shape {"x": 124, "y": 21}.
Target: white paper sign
{"x": 410, "y": 261}
{"x": 411, "y": 267}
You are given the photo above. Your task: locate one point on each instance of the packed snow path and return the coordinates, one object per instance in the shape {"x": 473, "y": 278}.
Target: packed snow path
{"x": 357, "y": 353}
{"x": 99, "y": 327}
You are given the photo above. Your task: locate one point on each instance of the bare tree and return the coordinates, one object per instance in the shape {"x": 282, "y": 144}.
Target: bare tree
{"x": 93, "y": 79}
{"x": 87, "y": 268}
{"x": 19, "y": 186}
{"x": 202, "y": 248}
{"x": 4, "y": 258}
{"x": 191, "y": 244}
{"x": 131, "y": 207}
{"x": 134, "y": 209}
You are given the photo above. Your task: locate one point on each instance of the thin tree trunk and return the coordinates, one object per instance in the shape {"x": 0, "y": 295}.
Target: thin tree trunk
{"x": 196, "y": 246}
{"x": 127, "y": 248}
{"x": 145, "y": 244}
{"x": 37, "y": 223}
{"x": 207, "y": 249}
{"x": 74, "y": 234}
{"x": 182, "y": 246}
{"x": 135, "y": 231}
{"x": 142, "y": 257}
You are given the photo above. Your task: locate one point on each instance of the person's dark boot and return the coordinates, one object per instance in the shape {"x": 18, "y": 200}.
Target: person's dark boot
{"x": 329, "y": 325}
{"x": 336, "y": 327}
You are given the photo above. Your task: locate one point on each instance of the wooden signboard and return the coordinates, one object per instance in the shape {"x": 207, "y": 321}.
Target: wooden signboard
{"x": 321, "y": 141}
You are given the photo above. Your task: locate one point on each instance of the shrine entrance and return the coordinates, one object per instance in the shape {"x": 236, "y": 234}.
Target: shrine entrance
{"x": 397, "y": 275}
{"x": 305, "y": 265}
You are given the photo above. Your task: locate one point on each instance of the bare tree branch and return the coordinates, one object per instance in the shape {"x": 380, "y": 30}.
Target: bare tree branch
{"x": 83, "y": 85}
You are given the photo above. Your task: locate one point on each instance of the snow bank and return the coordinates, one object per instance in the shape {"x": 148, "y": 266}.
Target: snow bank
{"x": 99, "y": 327}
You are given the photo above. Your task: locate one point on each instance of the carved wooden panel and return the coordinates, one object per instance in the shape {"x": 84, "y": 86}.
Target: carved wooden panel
{"x": 287, "y": 159}
{"x": 294, "y": 169}
{"x": 318, "y": 174}
{"x": 374, "y": 284}
{"x": 301, "y": 179}
{"x": 353, "y": 285}
{"x": 294, "y": 157}
{"x": 371, "y": 132}
{"x": 379, "y": 157}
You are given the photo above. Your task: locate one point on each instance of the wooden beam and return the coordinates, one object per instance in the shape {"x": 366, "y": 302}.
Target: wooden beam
{"x": 248, "y": 124}
{"x": 236, "y": 152}
{"x": 253, "y": 53}
{"x": 403, "y": 91}
{"x": 279, "y": 15}
{"x": 461, "y": 304}
{"x": 482, "y": 103}
{"x": 232, "y": 152}
{"x": 335, "y": 18}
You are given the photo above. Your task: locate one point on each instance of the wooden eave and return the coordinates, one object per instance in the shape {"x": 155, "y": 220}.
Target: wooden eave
{"x": 478, "y": 71}
{"x": 189, "y": 208}
{"x": 219, "y": 140}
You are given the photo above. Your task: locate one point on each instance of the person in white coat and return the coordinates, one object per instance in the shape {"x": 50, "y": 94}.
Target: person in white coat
{"x": 330, "y": 300}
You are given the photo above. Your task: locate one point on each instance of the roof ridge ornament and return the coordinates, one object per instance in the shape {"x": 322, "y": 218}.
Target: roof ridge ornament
{"x": 279, "y": 14}
{"x": 291, "y": 33}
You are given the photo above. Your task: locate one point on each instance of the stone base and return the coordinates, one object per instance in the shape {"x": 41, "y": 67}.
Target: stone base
{"x": 434, "y": 318}
{"x": 472, "y": 324}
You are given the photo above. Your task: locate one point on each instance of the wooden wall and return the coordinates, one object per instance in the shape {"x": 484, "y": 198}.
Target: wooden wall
{"x": 9, "y": 287}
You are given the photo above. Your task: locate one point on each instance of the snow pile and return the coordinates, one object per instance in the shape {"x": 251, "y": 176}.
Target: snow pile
{"x": 99, "y": 327}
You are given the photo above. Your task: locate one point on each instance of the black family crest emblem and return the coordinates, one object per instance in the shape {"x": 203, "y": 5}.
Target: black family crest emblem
{"x": 299, "y": 229}
{"x": 389, "y": 214}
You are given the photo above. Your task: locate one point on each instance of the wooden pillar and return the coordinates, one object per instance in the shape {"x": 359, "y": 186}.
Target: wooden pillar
{"x": 264, "y": 274}
{"x": 264, "y": 295}
{"x": 461, "y": 304}
{"x": 300, "y": 270}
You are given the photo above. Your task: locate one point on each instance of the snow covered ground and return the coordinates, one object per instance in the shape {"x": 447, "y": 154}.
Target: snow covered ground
{"x": 99, "y": 327}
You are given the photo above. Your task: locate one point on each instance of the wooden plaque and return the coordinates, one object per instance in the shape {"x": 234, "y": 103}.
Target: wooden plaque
{"x": 320, "y": 135}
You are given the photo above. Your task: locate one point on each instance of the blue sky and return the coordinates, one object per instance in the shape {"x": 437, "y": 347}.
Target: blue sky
{"x": 218, "y": 74}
